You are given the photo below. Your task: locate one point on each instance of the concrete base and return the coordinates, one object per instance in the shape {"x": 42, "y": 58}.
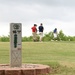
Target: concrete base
{"x": 26, "y": 69}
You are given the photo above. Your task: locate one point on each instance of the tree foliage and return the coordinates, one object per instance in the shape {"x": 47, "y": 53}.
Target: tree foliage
{"x": 47, "y": 37}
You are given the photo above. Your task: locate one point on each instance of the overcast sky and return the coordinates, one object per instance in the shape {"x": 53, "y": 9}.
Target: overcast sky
{"x": 58, "y": 14}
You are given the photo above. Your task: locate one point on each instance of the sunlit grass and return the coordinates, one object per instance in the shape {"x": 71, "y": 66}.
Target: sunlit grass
{"x": 48, "y": 51}
{"x": 58, "y": 55}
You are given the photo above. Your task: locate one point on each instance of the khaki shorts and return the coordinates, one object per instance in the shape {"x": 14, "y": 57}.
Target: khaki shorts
{"x": 34, "y": 35}
{"x": 41, "y": 34}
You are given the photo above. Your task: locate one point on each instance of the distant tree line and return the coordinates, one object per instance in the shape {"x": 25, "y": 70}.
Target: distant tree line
{"x": 47, "y": 37}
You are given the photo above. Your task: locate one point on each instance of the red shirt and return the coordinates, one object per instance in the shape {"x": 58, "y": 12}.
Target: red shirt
{"x": 34, "y": 29}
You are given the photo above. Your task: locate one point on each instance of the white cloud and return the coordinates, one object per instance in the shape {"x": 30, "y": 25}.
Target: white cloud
{"x": 52, "y": 13}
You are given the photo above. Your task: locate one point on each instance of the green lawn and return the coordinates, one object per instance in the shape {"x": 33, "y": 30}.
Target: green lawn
{"x": 59, "y": 55}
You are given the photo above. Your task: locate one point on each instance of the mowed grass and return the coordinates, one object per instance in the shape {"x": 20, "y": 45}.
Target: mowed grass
{"x": 52, "y": 53}
{"x": 48, "y": 52}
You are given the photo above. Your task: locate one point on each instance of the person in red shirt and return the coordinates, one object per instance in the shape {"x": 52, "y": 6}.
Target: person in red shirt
{"x": 34, "y": 32}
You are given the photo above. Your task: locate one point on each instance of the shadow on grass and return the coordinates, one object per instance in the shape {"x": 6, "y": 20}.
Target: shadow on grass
{"x": 57, "y": 69}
